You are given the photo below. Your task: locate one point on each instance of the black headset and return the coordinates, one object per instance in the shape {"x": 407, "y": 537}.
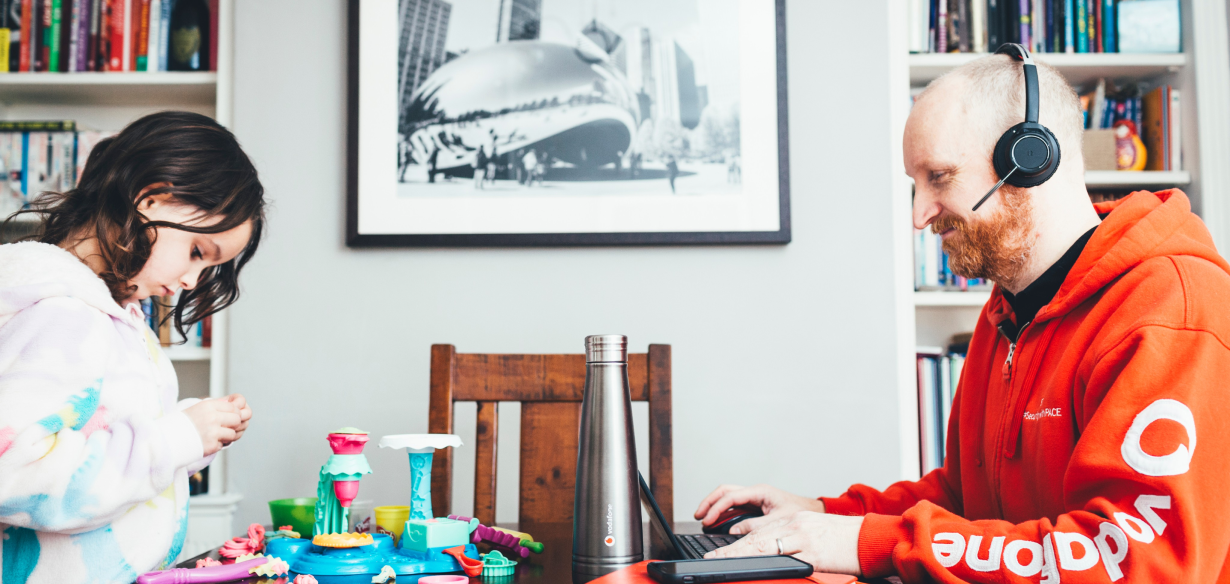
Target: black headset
{"x": 1028, "y": 153}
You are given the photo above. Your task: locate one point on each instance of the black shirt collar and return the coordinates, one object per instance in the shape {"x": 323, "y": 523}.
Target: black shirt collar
{"x": 1040, "y": 293}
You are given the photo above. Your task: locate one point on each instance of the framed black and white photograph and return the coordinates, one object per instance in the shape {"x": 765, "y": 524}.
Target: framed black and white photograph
{"x": 566, "y": 122}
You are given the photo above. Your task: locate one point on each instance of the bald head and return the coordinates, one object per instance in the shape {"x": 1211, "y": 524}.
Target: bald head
{"x": 990, "y": 93}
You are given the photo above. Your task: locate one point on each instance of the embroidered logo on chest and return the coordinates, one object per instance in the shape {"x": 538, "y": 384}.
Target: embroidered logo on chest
{"x": 1043, "y": 412}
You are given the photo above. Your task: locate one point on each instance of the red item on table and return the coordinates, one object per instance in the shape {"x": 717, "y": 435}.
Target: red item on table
{"x": 242, "y": 546}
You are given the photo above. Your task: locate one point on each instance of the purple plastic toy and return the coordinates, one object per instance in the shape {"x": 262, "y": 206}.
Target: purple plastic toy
{"x": 507, "y": 542}
{"x": 227, "y": 573}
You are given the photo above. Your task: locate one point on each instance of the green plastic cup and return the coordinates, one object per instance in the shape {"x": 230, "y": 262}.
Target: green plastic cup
{"x": 298, "y": 513}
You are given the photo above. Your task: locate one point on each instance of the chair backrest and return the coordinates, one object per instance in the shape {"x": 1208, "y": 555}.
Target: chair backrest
{"x": 550, "y": 389}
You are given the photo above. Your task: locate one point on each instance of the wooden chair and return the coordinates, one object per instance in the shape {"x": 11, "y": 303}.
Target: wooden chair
{"x": 550, "y": 388}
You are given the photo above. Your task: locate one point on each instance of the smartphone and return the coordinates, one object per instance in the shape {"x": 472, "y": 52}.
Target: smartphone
{"x": 729, "y": 570}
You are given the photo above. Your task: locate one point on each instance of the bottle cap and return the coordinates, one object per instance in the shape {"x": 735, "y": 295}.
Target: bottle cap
{"x": 606, "y": 349}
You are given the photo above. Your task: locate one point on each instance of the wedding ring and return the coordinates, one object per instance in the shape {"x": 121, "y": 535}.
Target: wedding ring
{"x": 780, "y": 550}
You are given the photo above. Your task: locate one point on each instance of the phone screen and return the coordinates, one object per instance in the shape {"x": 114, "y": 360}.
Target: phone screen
{"x": 729, "y": 565}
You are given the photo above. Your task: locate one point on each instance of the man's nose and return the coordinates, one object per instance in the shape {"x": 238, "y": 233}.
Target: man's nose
{"x": 926, "y": 209}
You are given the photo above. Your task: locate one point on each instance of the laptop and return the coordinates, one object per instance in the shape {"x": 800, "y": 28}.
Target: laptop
{"x": 685, "y": 546}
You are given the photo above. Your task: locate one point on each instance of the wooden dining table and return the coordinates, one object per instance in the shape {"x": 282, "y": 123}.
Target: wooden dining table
{"x": 553, "y": 566}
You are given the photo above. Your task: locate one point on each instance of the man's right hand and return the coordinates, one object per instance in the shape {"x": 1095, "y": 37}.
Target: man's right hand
{"x": 216, "y": 421}
{"x": 773, "y": 502}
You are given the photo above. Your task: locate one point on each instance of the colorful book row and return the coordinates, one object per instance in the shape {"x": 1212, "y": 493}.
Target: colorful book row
{"x": 931, "y": 270}
{"x": 32, "y": 163}
{"x": 108, "y": 35}
{"x": 938, "y": 374}
{"x": 158, "y": 316}
{"x": 1045, "y": 26}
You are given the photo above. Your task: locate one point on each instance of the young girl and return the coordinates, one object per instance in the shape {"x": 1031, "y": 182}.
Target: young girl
{"x": 95, "y": 453}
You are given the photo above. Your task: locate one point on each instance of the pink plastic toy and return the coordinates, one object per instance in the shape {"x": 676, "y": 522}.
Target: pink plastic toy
{"x": 504, "y": 541}
{"x": 347, "y": 443}
{"x": 207, "y": 562}
{"x": 304, "y": 579}
{"x": 227, "y": 573}
{"x": 242, "y": 546}
{"x": 444, "y": 580}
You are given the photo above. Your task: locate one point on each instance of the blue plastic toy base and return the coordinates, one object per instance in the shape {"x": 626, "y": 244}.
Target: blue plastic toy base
{"x": 305, "y": 557}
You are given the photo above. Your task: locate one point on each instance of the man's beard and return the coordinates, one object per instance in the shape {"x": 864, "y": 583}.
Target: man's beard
{"x": 997, "y": 247}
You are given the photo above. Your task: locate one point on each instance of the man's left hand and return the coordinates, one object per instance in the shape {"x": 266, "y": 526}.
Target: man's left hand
{"x": 828, "y": 542}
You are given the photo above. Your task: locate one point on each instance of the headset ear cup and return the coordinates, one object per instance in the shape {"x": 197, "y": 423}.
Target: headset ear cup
{"x": 1002, "y": 157}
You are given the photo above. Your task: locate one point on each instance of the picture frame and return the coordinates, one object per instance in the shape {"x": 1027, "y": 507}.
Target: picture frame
{"x": 558, "y": 109}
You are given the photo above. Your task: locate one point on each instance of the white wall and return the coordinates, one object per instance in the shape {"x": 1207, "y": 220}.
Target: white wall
{"x": 783, "y": 356}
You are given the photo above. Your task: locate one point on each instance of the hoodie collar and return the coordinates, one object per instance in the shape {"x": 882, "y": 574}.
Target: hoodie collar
{"x": 1139, "y": 227}
{"x": 31, "y": 272}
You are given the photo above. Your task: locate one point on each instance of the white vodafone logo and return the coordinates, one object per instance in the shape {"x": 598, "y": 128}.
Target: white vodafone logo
{"x": 1175, "y": 463}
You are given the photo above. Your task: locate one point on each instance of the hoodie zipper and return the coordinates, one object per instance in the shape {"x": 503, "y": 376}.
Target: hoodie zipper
{"x": 994, "y": 460}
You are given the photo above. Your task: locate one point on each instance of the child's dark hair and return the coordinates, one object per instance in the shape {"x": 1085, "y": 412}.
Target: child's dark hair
{"x": 200, "y": 164}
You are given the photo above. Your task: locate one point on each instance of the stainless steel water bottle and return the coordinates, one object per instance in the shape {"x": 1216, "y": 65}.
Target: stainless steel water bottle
{"x": 606, "y": 518}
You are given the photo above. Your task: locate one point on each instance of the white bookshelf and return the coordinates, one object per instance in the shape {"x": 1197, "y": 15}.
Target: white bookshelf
{"x": 109, "y": 101}
{"x": 1201, "y": 72}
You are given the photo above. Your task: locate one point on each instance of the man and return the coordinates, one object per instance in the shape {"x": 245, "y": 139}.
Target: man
{"x": 1099, "y": 360}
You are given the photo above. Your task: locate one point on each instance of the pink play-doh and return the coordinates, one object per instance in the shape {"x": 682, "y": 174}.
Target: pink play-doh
{"x": 347, "y": 443}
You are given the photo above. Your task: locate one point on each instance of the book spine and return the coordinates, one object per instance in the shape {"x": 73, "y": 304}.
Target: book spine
{"x": 1109, "y": 39}
{"x": 91, "y": 31}
{"x": 994, "y": 34}
{"x": 127, "y": 58}
{"x": 213, "y": 36}
{"x": 1038, "y": 20}
{"x": 1082, "y": 28}
{"x": 5, "y": 35}
{"x": 141, "y": 28}
{"x": 23, "y": 56}
{"x": 115, "y": 35}
{"x": 42, "y": 34}
{"x": 1176, "y": 131}
{"x": 1069, "y": 27}
{"x": 963, "y": 25}
{"x": 165, "y": 52}
{"x": 978, "y": 25}
{"x": 155, "y": 18}
{"x": 74, "y": 23}
{"x": 1099, "y": 43}
{"x": 1091, "y": 22}
{"x": 54, "y": 34}
{"x": 941, "y": 28}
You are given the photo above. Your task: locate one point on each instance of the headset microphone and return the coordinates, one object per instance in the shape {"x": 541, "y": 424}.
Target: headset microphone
{"x": 1027, "y": 150}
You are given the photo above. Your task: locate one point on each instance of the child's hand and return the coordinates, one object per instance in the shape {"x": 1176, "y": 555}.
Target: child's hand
{"x": 245, "y": 413}
{"x": 216, "y": 421}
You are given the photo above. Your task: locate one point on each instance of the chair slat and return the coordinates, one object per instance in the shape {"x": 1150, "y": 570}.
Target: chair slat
{"x": 486, "y": 440}
{"x": 548, "y": 460}
{"x": 488, "y": 377}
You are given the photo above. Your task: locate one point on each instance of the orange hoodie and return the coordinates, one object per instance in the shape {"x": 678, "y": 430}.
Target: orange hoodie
{"x": 1095, "y": 449}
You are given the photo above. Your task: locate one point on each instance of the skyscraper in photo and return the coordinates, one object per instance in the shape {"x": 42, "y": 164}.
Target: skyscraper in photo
{"x": 662, "y": 75}
{"x": 420, "y": 48}
{"x": 685, "y": 82}
{"x": 520, "y": 20}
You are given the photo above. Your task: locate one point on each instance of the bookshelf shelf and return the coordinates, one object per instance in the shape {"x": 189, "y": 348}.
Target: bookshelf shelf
{"x": 140, "y": 88}
{"x": 182, "y": 353}
{"x": 1078, "y": 68}
{"x": 1143, "y": 178}
{"x": 942, "y": 299}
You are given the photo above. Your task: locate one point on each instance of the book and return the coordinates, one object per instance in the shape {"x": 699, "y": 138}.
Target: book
{"x": 928, "y": 401}
{"x": 12, "y": 199}
{"x": 164, "y": 42}
{"x": 92, "y": 28}
{"x": 213, "y": 35}
{"x": 37, "y": 125}
{"x": 1095, "y": 26}
{"x": 115, "y": 35}
{"x": 140, "y": 28}
{"x": 978, "y": 25}
{"x": 155, "y": 19}
{"x": 1109, "y": 43}
{"x": 1176, "y": 131}
{"x": 1155, "y": 130}
{"x": 6, "y": 34}
{"x": 1025, "y": 26}
{"x": 1148, "y": 26}
{"x": 994, "y": 28}
{"x": 941, "y": 27}
{"x": 962, "y": 28}
{"x": 86, "y": 141}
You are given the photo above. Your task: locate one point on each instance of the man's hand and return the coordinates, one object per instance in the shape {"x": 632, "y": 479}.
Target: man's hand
{"x": 775, "y": 503}
{"x": 828, "y": 542}
{"x": 245, "y": 413}
{"x": 215, "y": 421}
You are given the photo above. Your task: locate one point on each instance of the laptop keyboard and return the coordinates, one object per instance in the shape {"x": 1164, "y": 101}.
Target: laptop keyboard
{"x": 701, "y": 544}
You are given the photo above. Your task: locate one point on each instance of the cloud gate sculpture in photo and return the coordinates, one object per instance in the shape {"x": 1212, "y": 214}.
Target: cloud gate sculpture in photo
{"x": 558, "y": 99}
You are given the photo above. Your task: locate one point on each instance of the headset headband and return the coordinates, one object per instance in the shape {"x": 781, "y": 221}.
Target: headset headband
{"x": 1031, "y": 78}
